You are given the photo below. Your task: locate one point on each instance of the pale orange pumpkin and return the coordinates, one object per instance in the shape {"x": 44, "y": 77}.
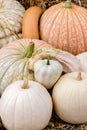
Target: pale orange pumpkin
{"x": 64, "y": 26}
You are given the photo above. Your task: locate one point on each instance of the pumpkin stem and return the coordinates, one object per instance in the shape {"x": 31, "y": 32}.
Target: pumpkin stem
{"x": 68, "y": 4}
{"x": 79, "y": 77}
{"x": 25, "y": 84}
{"x": 29, "y": 50}
{"x": 48, "y": 57}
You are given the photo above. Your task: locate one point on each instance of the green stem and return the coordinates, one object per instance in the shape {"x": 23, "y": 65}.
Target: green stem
{"x": 48, "y": 61}
{"x": 29, "y": 50}
{"x": 68, "y": 4}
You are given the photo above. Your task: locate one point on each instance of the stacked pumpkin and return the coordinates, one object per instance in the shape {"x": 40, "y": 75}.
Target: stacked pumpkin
{"x": 11, "y": 14}
{"x": 29, "y": 67}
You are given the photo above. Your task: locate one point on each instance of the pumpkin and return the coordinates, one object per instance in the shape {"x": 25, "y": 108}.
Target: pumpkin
{"x": 14, "y": 59}
{"x": 47, "y": 72}
{"x": 69, "y": 97}
{"x": 11, "y": 14}
{"x": 30, "y": 22}
{"x": 25, "y": 105}
{"x": 83, "y": 61}
{"x": 64, "y": 26}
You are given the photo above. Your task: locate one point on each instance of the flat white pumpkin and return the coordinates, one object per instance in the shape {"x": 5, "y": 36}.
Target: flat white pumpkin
{"x": 47, "y": 72}
{"x": 25, "y": 106}
{"x": 70, "y": 97}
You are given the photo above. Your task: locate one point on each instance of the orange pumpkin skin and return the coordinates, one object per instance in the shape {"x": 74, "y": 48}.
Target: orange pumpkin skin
{"x": 65, "y": 28}
{"x": 30, "y": 22}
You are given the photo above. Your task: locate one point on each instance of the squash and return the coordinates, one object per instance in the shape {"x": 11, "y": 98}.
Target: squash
{"x": 30, "y": 22}
{"x": 14, "y": 60}
{"x": 64, "y": 26}
{"x": 69, "y": 97}
{"x": 47, "y": 72}
{"x": 25, "y": 105}
{"x": 11, "y": 15}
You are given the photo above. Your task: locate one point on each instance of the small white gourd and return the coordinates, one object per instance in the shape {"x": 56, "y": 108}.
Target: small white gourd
{"x": 47, "y": 72}
{"x": 70, "y": 97}
{"x": 25, "y": 105}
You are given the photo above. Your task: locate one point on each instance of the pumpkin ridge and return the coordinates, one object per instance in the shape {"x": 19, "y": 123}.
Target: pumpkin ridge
{"x": 62, "y": 14}
{"x": 68, "y": 33}
{"x": 61, "y": 27}
{"x": 74, "y": 26}
{"x": 41, "y": 97}
{"x": 22, "y": 45}
{"x": 64, "y": 46}
{"x": 58, "y": 33}
{"x": 31, "y": 106}
{"x": 85, "y": 27}
{"x": 81, "y": 29}
{"x": 46, "y": 18}
{"x": 6, "y": 71}
{"x": 48, "y": 38}
{"x": 16, "y": 49}
{"x": 11, "y": 55}
{"x": 14, "y": 123}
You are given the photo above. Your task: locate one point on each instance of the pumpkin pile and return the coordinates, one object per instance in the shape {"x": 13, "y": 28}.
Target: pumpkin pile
{"x": 51, "y": 56}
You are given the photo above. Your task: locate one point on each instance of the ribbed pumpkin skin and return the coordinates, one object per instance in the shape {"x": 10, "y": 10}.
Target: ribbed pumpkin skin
{"x": 13, "y": 63}
{"x": 65, "y": 28}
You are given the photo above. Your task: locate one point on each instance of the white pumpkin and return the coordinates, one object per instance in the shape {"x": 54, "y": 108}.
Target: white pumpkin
{"x": 25, "y": 106}
{"x": 83, "y": 61}
{"x": 47, "y": 72}
{"x": 11, "y": 14}
{"x": 69, "y": 97}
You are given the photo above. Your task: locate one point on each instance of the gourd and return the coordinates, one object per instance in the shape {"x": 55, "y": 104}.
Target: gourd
{"x": 25, "y": 105}
{"x": 14, "y": 60}
{"x": 83, "y": 61}
{"x": 11, "y": 14}
{"x": 30, "y": 23}
{"x": 69, "y": 97}
{"x": 64, "y": 26}
{"x": 47, "y": 72}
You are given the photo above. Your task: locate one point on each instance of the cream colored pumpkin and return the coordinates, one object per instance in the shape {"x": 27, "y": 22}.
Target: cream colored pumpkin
{"x": 47, "y": 72}
{"x": 25, "y": 106}
{"x": 69, "y": 97}
{"x": 11, "y": 14}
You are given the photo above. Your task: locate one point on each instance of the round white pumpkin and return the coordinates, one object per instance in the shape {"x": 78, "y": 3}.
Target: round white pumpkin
{"x": 47, "y": 72}
{"x": 69, "y": 97}
{"x": 25, "y": 106}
